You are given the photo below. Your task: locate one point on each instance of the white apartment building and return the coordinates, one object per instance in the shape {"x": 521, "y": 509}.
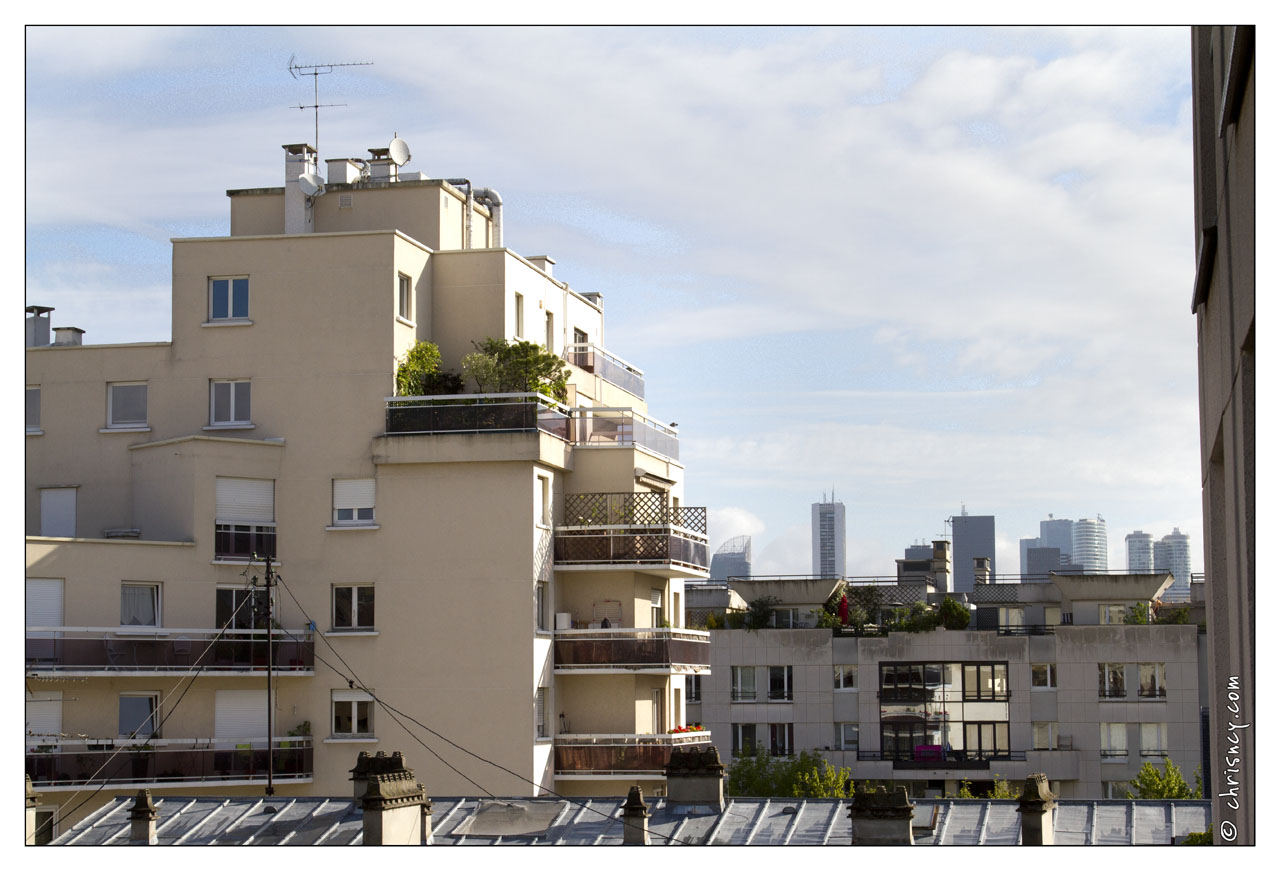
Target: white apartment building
{"x": 456, "y": 557}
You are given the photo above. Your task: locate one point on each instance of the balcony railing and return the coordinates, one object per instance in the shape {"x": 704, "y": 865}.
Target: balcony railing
{"x": 162, "y": 762}
{"x": 1112, "y": 693}
{"x": 742, "y": 695}
{"x": 625, "y": 546}
{"x": 620, "y": 754}
{"x": 162, "y": 649}
{"x": 937, "y": 757}
{"x": 613, "y": 369}
{"x": 1026, "y": 629}
{"x": 638, "y": 649}
{"x": 630, "y": 509}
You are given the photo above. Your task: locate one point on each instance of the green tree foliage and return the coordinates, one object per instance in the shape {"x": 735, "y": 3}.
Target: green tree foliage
{"x": 1000, "y": 788}
{"x": 1152, "y": 782}
{"x": 954, "y": 615}
{"x": 759, "y": 611}
{"x": 1198, "y": 839}
{"x": 1139, "y": 614}
{"x": 419, "y": 373}
{"x": 499, "y": 366}
{"x": 806, "y": 775}
{"x": 917, "y": 618}
{"x": 1178, "y": 616}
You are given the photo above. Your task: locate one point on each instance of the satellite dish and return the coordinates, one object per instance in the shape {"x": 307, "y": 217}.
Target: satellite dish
{"x": 311, "y": 184}
{"x": 398, "y": 151}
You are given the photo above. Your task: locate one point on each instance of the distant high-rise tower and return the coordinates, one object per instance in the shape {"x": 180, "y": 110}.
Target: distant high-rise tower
{"x": 732, "y": 560}
{"x": 1058, "y": 533}
{"x": 828, "y": 538}
{"x": 972, "y": 535}
{"x": 1089, "y": 544}
{"x": 1173, "y": 554}
{"x": 1137, "y": 546}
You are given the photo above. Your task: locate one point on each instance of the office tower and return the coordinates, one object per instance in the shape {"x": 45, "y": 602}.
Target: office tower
{"x": 1089, "y": 544}
{"x": 1173, "y": 554}
{"x": 1057, "y": 532}
{"x": 732, "y": 560}
{"x": 1043, "y": 560}
{"x": 973, "y": 535}
{"x": 1025, "y": 545}
{"x": 828, "y": 537}
{"x": 1138, "y": 551}
{"x": 918, "y": 552}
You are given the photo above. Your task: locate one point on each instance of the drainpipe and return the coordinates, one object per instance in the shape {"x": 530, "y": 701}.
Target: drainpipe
{"x": 491, "y": 198}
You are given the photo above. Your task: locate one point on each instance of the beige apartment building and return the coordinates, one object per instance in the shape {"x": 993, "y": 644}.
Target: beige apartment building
{"x": 506, "y": 569}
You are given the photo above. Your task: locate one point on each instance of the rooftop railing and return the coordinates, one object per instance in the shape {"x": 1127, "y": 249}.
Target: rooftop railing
{"x": 163, "y": 761}
{"x": 164, "y": 649}
{"x": 613, "y": 369}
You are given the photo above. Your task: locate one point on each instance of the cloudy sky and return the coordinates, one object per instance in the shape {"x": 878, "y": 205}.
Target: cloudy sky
{"x": 925, "y": 267}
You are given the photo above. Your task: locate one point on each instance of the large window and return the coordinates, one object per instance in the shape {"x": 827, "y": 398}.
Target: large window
{"x": 1044, "y": 675}
{"x": 245, "y": 519}
{"x": 744, "y": 739}
{"x": 693, "y": 688}
{"x": 846, "y": 677}
{"x": 228, "y": 298}
{"x": 785, "y": 618}
{"x": 139, "y": 715}
{"x": 239, "y": 608}
{"x": 229, "y": 403}
{"x": 353, "y": 606}
{"x": 847, "y": 736}
{"x": 33, "y": 409}
{"x": 406, "y": 298}
{"x": 1044, "y": 736}
{"x": 781, "y": 739}
{"x": 1010, "y": 616}
{"x": 1112, "y": 613}
{"x": 987, "y": 681}
{"x": 352, "y": 714}
{"x": 139, "y": 604}
{"x": 126, "y": 406}
{"x": 1115, "y": 743}
{"x": 1151, "y": 680}
{"x": 780, "y": 683}
{"x": 353, "y": 501}
{"x": 985, "y": 740}
{"x": 1111, "y": 680}
{"x": 744, "y": 683}
{"x": 1155, "y": 739}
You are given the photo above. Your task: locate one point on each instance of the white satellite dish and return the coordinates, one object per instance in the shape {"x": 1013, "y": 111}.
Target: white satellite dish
{"x": 312, "y": 185}
{"x": 398, "y": 151}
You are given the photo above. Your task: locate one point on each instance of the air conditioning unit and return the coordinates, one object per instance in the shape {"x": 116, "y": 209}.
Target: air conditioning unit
{"x": 564, "y": 620}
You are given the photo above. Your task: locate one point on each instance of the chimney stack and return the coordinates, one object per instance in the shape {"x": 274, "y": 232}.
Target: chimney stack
{"x": 543, "y": 262}
{"x": 695, "y": 775}
{"x": 635, "y": 819}
{"x": 38, "y": 325}
{"x": 1035, "y": 806}
{"x": 64, "y": 336}
{"x": 881, "y": 818}
{"x": 142, "y": 820}
{"x": 981, "y": 570}
{"x": 940, "y": 566}
{"x": 397, "y": 811}
{"x": 298, "y": 159}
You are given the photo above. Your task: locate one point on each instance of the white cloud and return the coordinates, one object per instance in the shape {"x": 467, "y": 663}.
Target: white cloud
{"x": 726, "y": 522}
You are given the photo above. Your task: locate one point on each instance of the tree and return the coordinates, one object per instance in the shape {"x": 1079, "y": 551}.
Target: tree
{"x": 759, "y": 611}
{"x": 1139, "y": 614}
{"x": 1151, "y": 782}
{"x": 499, "y": 366}
{"x": 954, "y": 615}
{"x": 1000, "y": 788}
{"x": 806, "y": 775}
{"x": 1176, "y": 615}
{"x": 419, "y": 373}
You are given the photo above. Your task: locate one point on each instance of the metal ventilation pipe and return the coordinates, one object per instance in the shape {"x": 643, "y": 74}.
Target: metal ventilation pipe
{"x": 491, "y": 198}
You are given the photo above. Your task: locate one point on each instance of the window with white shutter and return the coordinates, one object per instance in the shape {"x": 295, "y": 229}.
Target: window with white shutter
{"x": 245, "y": 519}
{"x": 540, "y": 713}
{"x": 44, "y": 717}
{"x": 240, "y": 716}
{"x": 58, "y": 512}
{"x": 353, "y": 501}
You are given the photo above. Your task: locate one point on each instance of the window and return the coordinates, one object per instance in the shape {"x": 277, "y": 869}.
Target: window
{"x": 1044, "y": 736}
{"x": 693, "y": 688}
{"x": 655, "y": 607}
{"x": 540, "y": 714}
{"x": 1112, "y": 613}
{"x": 1116, "y": 789}
{"x": 58, "y": 512}
{"x": 33, "y": 409}
{"x": 126, "y": 405}
{"x": 244, "y": 519}
{"x": 540, "y": 605}
{"x": 544, "y": 501}
{"x": 238, "y": 608}
{"x": 519, "y": 316}
{"x": 1111, "y": 680}
{"x": 986, "y": 682}
{"x": 551, "y": 333}
{"x": 406, "y": 298}
{"x": 785, "y": 618}
{"x": 229, "y": 403}
{"x": 138, "y": 715}
{"x": 228, "y": 298}
{"x": 744, "y": 739}
{"x": 1052, "y": 615}
{"x": 847, "y": 736}
{"x": 1151, "y": 680}
{"x": 1010, "y": 616}
{"x": 353, "y": 606}
{"x": 353, "y": 501}
{"x": 781, "y": 741}
{"x": 1154, "y": 739}
{"x": 1114, "y": 740}
{"x": 46, "y": 826}
{"x": 779, "y": 683}
{"x": 352, "y": 714}
{"x": 744, "y": 683}
{"x": 1044, "y": 675}
{"x": 139, "y": 604}
{"x": 846, "y": 677}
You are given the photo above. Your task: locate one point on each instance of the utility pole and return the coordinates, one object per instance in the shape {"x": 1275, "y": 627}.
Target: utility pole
{"x": 270, "y": 577}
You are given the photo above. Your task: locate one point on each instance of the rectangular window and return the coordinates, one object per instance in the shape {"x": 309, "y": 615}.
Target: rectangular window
{"x": 846, "y": 677}
{"x": 551, "y": 333}
{"x": 1111, "y": 680}
{"x": 126, "y": 405}
{"x": 519, "y": 316}
{"x": 540, "y": 606}
{"x": 1116, "y": 789}
{"x": 655, "y": 607}
{"x": 986, "y": 682}
{"x": 228, "y": 298}
{"x": 352, "y": 714}
{"x": 1044, "y": 736}
{"x": 1044, "y": 675}
{"x": 544, "y": 501}
{"x": 1108, "y": 614}
{"x": 847, "y": 736}
{"x": 238, "y": 608}
{"x": 781, "y": 741}
{"x": 785, "y": 618}
{"x": 138, "y": 715}
{"x": 1155, "y": 739}
{"x": 1115, "y": 743}
{"x": 1052, "y": 615}
{"x": 540, "y": 714}
{"x": 693, "y": 688}
{"x": 139, "y": 604}
{"x": 58, "y": 512}
{"x": 780, "y": 683}
{"x": 1010, "y": 616}
{"x": 353, "y": 501}
{"x": 229, "y": 403}
{"x": 744, "y": 683}
{"x": 353, "y": 606}
{"x": 1151, "y": 680}
{"x": 744, "y": 739}
{"x": 245, "y": 525}
{"x": 33, "y": 409}
{"x": 406, "y": 298}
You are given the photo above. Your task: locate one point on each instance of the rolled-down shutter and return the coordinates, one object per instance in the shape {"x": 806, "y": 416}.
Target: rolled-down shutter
{"x": 58, "y": 512}
{"x": 44, "y": 715}
{"x": 246, "y": 500}
{"x": 353, "y": 493}
{"x": 240, "y": 715}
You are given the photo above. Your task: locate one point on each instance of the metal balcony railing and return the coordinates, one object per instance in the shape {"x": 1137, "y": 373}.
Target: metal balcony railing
{"x": 934, "y": 756}
{"x": 623, "y": 546}
{"x": 162, "y": 762}
{"x": 638, "y": 649}
{"x": 620, "y": 754}
{"x": 613, "y": 369}
{"x": 630, "y": 509}
{"x": 162, "y": 649}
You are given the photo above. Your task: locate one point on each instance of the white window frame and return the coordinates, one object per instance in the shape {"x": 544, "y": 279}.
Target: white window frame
{"x": 788, "y": 684}
{"x": 230, "y": 316}
{"x": 1044, "y": 736}
{"x": 155, "y": 712}
{"x": 351, "y": 699}
{"x": 157, "y": 601}
{"x": 784, "y": 618}
{"x": 33, "y": 428}
{"x": 846, "y": 677}
{"x": 739, "y": 689}
{"x": 842, "y": 736}
{"x": 404, "y": 302}
{"x": 656, "y": 607}
{"x": 543, "y": 495}
{"x": 1158, "y": 679}
{"x": 233, "y": 422}
{"x": 1010, "y": 616}
{"x": 519, "y": 314}
{"x": 356, "y": 620}
{"x": 346, "y": 493}
{"x": 112, "y": 423}
{"x": 1114, "y": 742}
{"x": 1116, "y": 789}
{"x": 1051, "y": 671}
{"x": 1153, "y": 739}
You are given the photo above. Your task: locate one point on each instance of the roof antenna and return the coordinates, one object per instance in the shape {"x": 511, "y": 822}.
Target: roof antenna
{"x": 316, "y": 71}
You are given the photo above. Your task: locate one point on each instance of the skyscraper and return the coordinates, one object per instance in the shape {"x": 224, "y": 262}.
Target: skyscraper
{"x": 732, "y": 560}
{"x": 973, "y": 535}
{"x": 1058, "y": 533}
{"x": 1089, "y": 544}
{"x": 1173, "y": 554}
{"x": 828, "y": 537}
{"x": 1137, "y": 547}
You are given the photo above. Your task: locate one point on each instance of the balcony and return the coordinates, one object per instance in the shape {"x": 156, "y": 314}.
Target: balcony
{"x": 1026, "y": 629}
{"x": 164, "y": 762}
{"x": 120, "y": 650}
{"x": 936, "y": 757}
{"x": 613, "y": 369}
{"x": 612, "y": 530}
{"x": 588, "y": 756}
{"x": 651, "y": 651}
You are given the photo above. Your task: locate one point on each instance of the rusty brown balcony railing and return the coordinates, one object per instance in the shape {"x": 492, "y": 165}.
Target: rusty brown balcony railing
{"x": 160, "y": 762}
{"x": 620, "y": 754}
{"x": 162, "y": 649}
{"x": 664, "y": 650}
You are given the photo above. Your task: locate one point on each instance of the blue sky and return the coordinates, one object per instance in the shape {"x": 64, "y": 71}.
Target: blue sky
{"x": 923, "y": 266}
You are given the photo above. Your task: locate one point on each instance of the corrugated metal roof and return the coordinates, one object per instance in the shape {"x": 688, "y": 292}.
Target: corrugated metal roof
{"x": 310, "y": 821}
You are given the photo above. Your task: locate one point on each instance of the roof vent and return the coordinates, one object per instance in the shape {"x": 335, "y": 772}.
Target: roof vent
{"x": 65, "y": 336}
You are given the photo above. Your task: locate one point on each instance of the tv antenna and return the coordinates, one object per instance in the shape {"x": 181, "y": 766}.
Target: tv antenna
{"x": 316, "y": 71}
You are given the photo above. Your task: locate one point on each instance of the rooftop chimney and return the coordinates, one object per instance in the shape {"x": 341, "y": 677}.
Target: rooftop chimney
{"x": 695, "y": 775}
{"x": 298, "y": 159}
{"x": 543, "y": 262}
{"x": 142, "y": 820}
{"x": 981, "y": 570}
{"x": 397, "y": 811}
{"x": 635, "y": 819}
{"x": 38, "y": 325}
{"x": 881, "y": 818}
{"x": 66, "y": 336}
{"x": 1036, "y": 805}
{"x": 940, "y": 565}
